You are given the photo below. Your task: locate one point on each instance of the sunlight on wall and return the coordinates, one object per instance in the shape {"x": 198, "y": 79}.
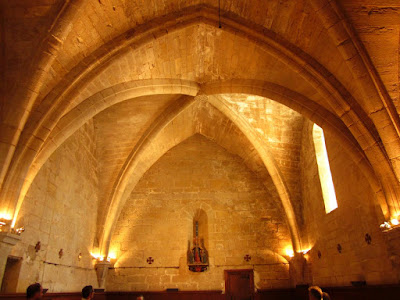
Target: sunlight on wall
{"x": 324, "y": 170}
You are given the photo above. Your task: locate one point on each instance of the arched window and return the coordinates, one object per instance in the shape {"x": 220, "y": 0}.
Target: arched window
{"x": 324, "y": 170}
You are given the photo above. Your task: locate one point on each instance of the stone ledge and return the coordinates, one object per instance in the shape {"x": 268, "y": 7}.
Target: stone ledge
{"x": 9, "y": 238}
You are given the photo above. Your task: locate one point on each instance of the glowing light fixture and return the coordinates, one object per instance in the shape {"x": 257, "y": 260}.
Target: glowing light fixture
{"x": 289, "y": 251}
{"x": 111, "y": 256}
{"x": 6, "y": 225}
{"x": 385, "y": 226}
{"x": 97, "y": 256}
{"x": 389, "y": 225}
{"x": 5, "y": 216}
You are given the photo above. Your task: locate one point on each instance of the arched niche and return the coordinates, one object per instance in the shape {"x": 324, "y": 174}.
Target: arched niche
{"x": 200, "y": 217}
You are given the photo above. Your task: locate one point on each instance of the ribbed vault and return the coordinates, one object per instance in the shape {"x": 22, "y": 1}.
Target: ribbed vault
{"x": 181, "y": 120}
{"x": 117, "y": 51}
{"x": 134, "y": 80}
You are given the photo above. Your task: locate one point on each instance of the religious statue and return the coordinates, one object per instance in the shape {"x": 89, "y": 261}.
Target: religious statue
{"x": 197, "y": 256}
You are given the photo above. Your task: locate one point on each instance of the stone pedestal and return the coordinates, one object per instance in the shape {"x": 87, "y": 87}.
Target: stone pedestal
{"x": 102, "y": 271}
{"x": 7, "y": 241}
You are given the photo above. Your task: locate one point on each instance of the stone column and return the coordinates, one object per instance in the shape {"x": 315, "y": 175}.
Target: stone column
{"x": 7, "y": 241}
{"x": 102, "y": 271}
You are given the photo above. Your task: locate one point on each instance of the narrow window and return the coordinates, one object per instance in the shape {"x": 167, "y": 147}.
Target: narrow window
{"x": 324, "y": 170}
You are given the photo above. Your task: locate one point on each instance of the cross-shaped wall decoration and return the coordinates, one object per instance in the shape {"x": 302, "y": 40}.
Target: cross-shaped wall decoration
{"x": 150, "y": 260}
{"x": 247, "y": 257}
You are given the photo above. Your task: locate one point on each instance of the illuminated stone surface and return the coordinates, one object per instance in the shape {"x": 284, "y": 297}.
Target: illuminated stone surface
{"x": 121, "y": 119}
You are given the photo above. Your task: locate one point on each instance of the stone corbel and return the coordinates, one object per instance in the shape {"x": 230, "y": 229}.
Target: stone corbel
{"x": 9, "y": 239}
{"x": 298, "y": 268}
{"x": 102, "y": 268}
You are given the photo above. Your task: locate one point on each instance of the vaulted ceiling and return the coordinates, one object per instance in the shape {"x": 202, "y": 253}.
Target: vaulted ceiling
{"x": 153, "y": 73}
{"x": 377, "y": 24}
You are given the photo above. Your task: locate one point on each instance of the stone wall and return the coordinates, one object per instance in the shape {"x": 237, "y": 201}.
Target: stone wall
{"x": 60, "y": 211}
{"x": 347, "y": 225}
{"x": 157, "y": 221}
{"x": 239, "y": 218}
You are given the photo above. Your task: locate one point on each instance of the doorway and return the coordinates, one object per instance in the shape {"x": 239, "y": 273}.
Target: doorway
{"x": 239, "y": 284}
{"x": 11, "y": 275}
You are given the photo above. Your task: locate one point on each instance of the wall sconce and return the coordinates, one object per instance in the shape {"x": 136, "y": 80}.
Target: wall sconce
{"x": 389, "y": 225}
{"x": 18, "y": 231}
{"x": 385, "y": 226}
{"x": 289, "y": 251}
{"x": 4, "y": 225}
{"x": 60, "y": 253}
{"x": 79, "y": 256}
{"x": 111, "y": 257}
{"x": 7, "y": 225}
{"x": 95, "y": 256}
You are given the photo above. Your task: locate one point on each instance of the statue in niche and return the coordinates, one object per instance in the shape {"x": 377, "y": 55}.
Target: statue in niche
{"x": 197, "y": 256}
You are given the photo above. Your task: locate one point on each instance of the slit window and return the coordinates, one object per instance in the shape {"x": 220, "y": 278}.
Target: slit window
{"x": 324, "y": 170}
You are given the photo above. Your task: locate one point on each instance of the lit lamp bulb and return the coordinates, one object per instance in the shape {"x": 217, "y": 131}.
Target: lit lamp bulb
{"x": 19, "y": 230}
{"x": 394, "y": 222}
{"x": 289, "y": 252}
{"x": 2, "y": 224}
{"x": 385, "y": 226}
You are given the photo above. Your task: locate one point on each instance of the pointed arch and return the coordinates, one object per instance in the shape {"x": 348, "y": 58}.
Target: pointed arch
{"x": 71, "y": 122}
{"x": 156, "y": 142}
{"x": 100, "y": 101}
{"x": 58, "y": 101}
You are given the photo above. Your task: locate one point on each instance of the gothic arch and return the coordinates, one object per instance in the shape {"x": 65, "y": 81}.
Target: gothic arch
{"x": 146, "y": 153}
{"x": 313, "y": 73}
{"x": 87, "y": 109}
